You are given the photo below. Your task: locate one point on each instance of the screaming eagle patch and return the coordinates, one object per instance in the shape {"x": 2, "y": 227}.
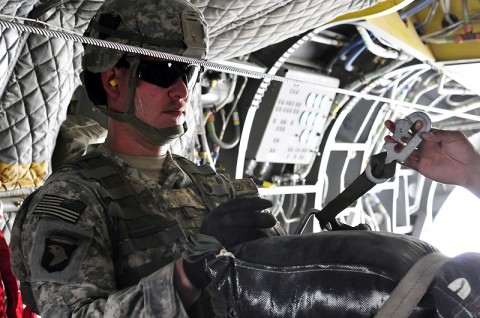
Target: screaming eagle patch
{"x": 57, "y": 254}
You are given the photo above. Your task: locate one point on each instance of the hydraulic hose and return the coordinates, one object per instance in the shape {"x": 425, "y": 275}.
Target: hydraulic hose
{"x": 417, "y": 7}
{"x": 213, "y": 135}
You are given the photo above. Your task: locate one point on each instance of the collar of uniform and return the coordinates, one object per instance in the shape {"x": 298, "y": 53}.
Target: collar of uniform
{"x": 106, "y": 151}
{"x": 173, "y": 176}
{"x": 150, "y": 166}
{"x": 131, "y": 172}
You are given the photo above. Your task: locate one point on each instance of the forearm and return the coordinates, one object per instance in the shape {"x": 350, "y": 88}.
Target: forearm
{"x": 473, "y": 183}
{"x": 153, "y": 296}
{"x": 187, "y": 292}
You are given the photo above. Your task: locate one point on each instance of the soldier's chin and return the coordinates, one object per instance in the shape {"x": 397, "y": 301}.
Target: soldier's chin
{"x": 165, "y": 136}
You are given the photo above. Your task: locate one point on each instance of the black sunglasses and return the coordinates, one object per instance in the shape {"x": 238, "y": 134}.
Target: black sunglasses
{"x": 166, "y": 73}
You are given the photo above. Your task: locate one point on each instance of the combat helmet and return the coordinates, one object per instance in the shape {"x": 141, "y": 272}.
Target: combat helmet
{"x": 170, "y": 26}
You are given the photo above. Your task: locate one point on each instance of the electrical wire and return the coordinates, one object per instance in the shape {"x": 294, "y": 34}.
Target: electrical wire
{"x": 349, "y": 62}
{"x": 210, "y": 126}
{"x": 375, "y": 48}
{"x": 466, "y": 17}
{"x": 207, "y": 157}
{"x": 229, "y": 95}
{"x": 218, "y": 139}
{"x": 373, "y": 223}
{"x": 342, "y": 54}
{"x": 429, "y": 17}
{"x": 375, "y": 202}
{"x": 233, "y": 110}
{"x": 465, "y": 102}
{"x": 443, "y": 35}
{"x": 182, "y": 59}
{"x": 415, "y": 8}
{"x": 445, "y": 5}
{"x": 419, "y": 94}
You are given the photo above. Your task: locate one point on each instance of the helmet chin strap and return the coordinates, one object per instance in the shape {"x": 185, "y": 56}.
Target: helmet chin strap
{"x": 158, "y": 136}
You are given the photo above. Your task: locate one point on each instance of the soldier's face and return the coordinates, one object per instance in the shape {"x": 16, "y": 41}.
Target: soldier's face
{"x": 160, "y": 99}
{"x": 161, "y": 107}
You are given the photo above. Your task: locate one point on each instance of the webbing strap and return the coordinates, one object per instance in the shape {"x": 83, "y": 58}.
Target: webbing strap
{"x": 168, "y": 236}
{"x": 97, "y": 173}
{"x": 354, "y": 191}
{"x": 207, "y": 191}
{"x": 412, "y": 287}
{"x": 361, "y": 185}
{"x": 113, "y": 181}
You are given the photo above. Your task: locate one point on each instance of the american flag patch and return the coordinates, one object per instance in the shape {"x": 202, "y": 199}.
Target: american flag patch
{"x": 65, "y": 209}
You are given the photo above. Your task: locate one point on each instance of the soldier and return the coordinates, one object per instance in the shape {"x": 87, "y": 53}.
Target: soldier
{"x": 104, "y": 236}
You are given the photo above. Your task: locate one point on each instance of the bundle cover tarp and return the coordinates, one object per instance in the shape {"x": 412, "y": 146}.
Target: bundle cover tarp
{"x": 38, "y": 75}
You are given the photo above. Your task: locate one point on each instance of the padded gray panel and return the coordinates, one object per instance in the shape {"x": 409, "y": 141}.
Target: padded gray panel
{"x": 39, "y": 75}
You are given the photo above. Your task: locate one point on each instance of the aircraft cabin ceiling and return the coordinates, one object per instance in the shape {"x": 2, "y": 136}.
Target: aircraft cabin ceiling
{"x": 294, "y": 95}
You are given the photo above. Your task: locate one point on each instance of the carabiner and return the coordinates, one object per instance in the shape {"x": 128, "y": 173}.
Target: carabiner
{"x": 403, "y": 130}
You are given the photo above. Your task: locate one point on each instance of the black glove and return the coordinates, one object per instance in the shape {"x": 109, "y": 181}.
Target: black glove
{"x": 238, "y": 221}
{"x": 231, "y": 223}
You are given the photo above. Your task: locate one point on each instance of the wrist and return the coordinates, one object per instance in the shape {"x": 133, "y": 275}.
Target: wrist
{"x": 473, "y": 184}
{"x": 181, "y": 276}
{"x": 197, "y": 272}
{"x": 186, "y": 290}
{"x": 473, "y": 178}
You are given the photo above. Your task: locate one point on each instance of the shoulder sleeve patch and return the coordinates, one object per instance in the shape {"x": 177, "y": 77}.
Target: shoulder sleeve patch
{"x": 59, "y": 250}
{"x": 57, "y": 254}
{"x": 66, "y": 209}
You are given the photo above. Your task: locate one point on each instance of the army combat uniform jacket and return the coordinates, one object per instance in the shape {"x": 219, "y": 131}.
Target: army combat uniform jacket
{"x": 100, "y": 238}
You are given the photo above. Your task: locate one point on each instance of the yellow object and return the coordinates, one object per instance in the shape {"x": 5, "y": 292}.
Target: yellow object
{"x": 451, "y": 51}
{"x": 396, "y": 31}
{"x": 113, "y": 83}
{"x": 267, "y": 184}
{"x": 381, "y": 8}
{"x": 22, "y": 176}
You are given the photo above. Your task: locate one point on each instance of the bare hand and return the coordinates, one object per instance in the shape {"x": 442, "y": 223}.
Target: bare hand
{"x": 444, "y": 156}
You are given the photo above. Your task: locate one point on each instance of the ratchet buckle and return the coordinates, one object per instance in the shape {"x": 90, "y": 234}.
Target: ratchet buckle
{"x": 380, "y": 167}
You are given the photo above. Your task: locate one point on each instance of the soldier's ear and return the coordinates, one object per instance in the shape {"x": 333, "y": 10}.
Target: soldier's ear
{"x": 113, "y": 83}
{"x": 110, "y": 83}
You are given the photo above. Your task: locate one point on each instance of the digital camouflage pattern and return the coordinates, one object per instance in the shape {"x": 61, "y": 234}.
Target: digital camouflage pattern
{"x": 69, "y": 248}
{"x": 174, "y": 27}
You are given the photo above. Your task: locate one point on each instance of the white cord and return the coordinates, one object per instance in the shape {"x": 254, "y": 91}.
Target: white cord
{"x": 213, "y": 66}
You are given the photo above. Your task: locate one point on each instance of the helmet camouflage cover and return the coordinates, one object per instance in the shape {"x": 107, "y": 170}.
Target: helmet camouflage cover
{"x": 169, "y": 26}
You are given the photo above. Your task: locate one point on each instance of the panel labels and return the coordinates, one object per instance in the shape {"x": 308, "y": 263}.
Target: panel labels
{"x": 293, "y": 132}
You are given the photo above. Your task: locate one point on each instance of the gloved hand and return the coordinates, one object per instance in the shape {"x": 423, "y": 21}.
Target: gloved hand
{"x": 238, "y": 221}
{"x": 232, "y": 223}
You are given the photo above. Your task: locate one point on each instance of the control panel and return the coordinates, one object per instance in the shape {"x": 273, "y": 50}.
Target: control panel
{"x": 297, "y": 119}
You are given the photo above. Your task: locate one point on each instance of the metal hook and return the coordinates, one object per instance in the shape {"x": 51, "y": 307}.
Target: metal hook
{"x": 403, "y": 130}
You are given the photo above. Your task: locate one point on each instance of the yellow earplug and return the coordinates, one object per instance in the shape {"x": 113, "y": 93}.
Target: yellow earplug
{"x": 113, "y": 83}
